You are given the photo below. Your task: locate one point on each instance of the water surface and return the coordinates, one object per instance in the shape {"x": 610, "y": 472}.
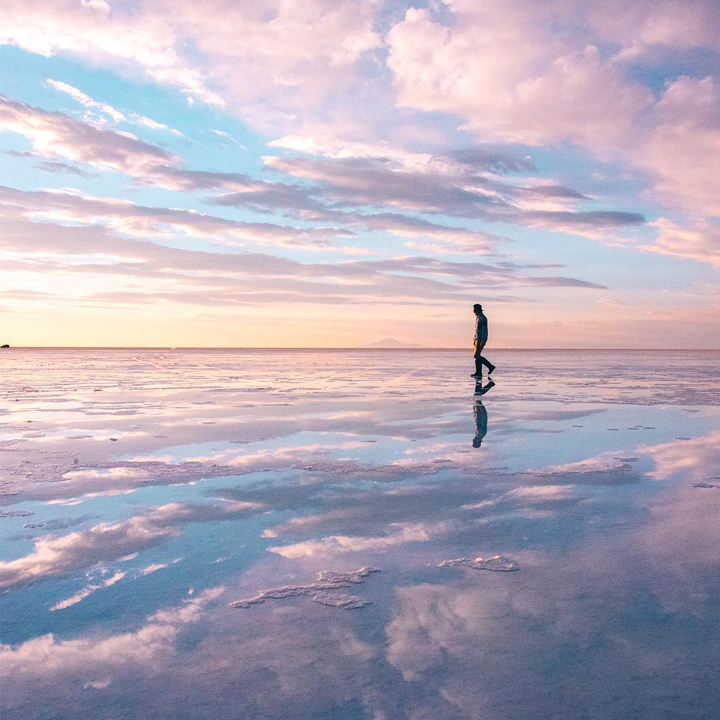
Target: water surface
{"x": 359, "y": 534}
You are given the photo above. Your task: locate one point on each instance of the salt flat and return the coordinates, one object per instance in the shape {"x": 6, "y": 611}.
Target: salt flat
{"x": 146, "y": 492}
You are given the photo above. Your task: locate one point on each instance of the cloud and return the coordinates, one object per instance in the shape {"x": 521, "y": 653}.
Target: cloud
{"x": 543, "y": 76}
{"x": 608, "y": 468}
{"x": 700, "y": 241}
{"x": 55, "y": 166}
{"x": 93, "y": 662}
{"x": 492, "y": 159}
{"x": 450, "y": 184}
{"x": 330, "y": 146}
{"x": 463, "y": 184}
{"x": 509, "y": 78}
{"x": 186, "y": 656}
{"x": 86, "y": 591}
{"x": 292, "y": 53}
{"x": 584, "y": 223}
{"x": 542, "y": 493}
{"x": 455, "y": 183}
{"x": 107, "y": 36}
{"x": 374, "y": 182}
{"x": 528, "y": 74}
{"x": 176, "y": 178}
{"x": 644, "y": 24}
{"x": 86, "y": 100}
{"x": 681, "y": 541}
{"x": 55, "y": 557}
{"x": 682, "y": 149}
{"x": 697, "y": 460}
{"x": 455, "y": 239}
{"x": 107, "y": 110}
{"x": 342, "y": 543}
{"x": 474, "y": 648}
{"x": 212, "y": 278}
{"x": 143, "y": 221}
{"x": 54, "y": 134}
{"x": 104, "y": 542}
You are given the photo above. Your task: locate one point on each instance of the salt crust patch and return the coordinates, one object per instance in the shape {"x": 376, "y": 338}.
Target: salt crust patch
{"x": 317, "y": 591}
{"x": 494, "y": 563}
{"x": 346, "y": 602}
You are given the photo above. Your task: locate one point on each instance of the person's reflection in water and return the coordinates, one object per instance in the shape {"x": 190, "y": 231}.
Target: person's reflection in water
{"x": 480, "y": 413}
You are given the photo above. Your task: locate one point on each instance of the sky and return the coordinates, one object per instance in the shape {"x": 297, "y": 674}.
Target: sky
{"x": 329, "y": 173}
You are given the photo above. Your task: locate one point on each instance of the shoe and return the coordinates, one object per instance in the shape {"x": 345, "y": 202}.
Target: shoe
{"x": 491, "y": 369}
{"x": 476, "y": 375}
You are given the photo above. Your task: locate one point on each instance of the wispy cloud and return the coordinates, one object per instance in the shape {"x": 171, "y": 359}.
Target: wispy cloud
{"x": 143, "y": 221}
{"x": 104, "y": 109}
{"x": 54, "y": 134}
{"x": 699, "y": 241}
{"x": 86, "y": 591}
{"x": 221, "y": 278}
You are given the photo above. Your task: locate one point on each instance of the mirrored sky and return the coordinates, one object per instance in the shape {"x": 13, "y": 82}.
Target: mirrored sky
{"x": 332, "y": 173}
{"x": 205, "y": 534}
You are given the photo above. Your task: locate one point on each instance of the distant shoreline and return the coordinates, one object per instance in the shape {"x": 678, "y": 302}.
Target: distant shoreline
{"x": 366, "y": 349}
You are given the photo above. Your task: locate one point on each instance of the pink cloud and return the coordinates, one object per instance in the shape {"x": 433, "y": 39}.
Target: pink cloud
{"x": 291, "y": 53}
{"x": 398, "y": 534}
{"x": 682, "y": 149}
{"x": 668, "y": 23}
{"x": 118, "y": 36}
{"x": 509, "y": 79}
{"x": 94, "y": 661}
{"x": 203, "y": 278}
{"x": 698, "y": 459}
{"x": 54, "y": 134}
{"x": 143, "y": 221}
{"x": 699, "y": 241}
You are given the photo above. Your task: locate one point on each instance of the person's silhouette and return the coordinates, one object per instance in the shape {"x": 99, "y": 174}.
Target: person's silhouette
{"x": 480, "y": 413}
{"x": 481, "y": 337}
{"x": 481, "y": 389}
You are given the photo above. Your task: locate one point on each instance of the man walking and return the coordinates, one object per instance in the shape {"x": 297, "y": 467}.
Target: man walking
{"x": 481, "y": 336}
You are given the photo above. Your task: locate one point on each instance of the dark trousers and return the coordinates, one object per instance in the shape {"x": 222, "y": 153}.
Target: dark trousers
{"x": 480, "y": 360}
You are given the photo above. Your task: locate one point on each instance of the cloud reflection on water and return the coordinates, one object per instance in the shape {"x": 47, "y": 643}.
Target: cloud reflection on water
{"x": 613, "y": 614}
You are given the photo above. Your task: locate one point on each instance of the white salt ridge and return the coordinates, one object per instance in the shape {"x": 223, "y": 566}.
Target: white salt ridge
{"x": 15, "y": 513}
{"x": 495, "y": 563}
{"x": 327, "y": 580}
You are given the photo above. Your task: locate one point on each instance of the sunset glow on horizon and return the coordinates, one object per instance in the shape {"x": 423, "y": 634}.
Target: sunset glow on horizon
{"x": 331, "y": 173}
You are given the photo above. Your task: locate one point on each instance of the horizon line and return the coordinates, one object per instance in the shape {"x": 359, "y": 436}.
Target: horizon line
{"x": 369, "y": 349}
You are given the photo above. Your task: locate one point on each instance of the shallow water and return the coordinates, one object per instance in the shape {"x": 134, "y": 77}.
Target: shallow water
{"x": 194, "y": 534}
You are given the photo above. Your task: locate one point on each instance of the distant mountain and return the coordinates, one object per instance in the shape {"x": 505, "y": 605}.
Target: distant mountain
{"x": 391, "y": 344}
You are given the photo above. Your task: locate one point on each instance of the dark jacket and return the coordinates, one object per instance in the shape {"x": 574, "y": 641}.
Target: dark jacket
{"x": 481, "y": 329}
